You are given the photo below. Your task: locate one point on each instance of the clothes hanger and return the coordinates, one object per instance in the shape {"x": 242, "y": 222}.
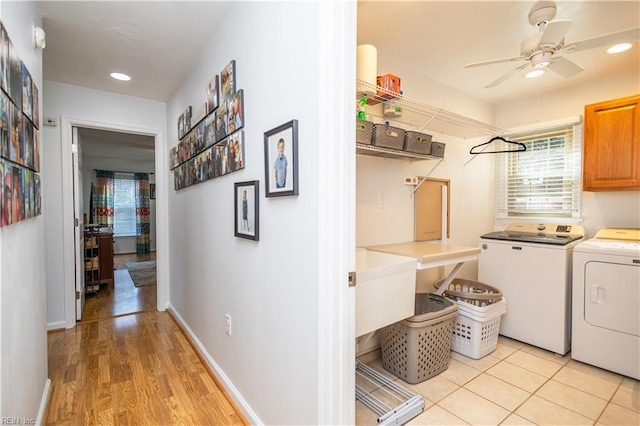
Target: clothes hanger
{"x": 521, "y": 147}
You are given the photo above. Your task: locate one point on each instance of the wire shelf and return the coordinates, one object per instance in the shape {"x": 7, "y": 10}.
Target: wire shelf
{"x": 377, "y": 151}
{"x": 426, "y": 117}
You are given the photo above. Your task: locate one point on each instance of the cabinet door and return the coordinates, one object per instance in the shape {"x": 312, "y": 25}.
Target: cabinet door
{"x": 612, "y": 145}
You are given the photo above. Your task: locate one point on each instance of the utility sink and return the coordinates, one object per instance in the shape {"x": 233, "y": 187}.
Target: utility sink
{"x": 385, "y": 289}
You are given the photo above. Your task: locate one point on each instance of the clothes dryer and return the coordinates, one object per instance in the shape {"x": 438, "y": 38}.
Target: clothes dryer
{"x": 606, "y": 301}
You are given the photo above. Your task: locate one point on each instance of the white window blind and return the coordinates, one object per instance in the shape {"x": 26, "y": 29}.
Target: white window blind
{"x": 543, "y": 181}
{"x": 124, "y": 201}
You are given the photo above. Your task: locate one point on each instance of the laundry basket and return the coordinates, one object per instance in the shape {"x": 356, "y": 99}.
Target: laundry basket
{"x": 470, "y": 291}
{"x": 476, "y": 329}
{"x": 419, "y": 347}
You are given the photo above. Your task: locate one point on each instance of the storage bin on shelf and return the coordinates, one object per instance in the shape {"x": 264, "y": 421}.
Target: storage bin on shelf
{"x": 419, "y": 347}
{"x": 437, "y": 149}
{"x": 386, "y": 136}
{"x": 417, "y": 142}
{"x": 476, "y": 327}
{"x": 364, "y": 132}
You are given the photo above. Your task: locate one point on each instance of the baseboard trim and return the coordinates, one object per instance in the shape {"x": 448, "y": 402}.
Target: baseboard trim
{"x": 56, "y": 326}
{"x": 228, "y": 389}
{"x": 44, "y": 403}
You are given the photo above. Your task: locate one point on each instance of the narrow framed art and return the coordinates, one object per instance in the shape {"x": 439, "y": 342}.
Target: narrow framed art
{"x": 281, "y": 160}
{"x": 247, "y": 212}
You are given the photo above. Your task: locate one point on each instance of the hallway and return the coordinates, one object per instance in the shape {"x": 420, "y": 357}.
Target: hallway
{"x": 137, "y": 369}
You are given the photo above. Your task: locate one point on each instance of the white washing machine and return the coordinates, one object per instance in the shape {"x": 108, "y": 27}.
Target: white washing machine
{"x": 606, "y": 301}
{"x": 531, "y": 264}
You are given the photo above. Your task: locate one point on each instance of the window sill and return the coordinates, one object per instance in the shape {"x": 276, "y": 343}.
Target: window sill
{"x": 123, "y": 235}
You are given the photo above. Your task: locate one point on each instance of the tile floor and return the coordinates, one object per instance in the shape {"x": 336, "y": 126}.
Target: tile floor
{"x": 518, "y": 384}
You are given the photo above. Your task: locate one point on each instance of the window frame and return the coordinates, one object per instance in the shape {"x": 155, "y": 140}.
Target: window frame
{"x": 564, "y": 187}
{"x": 131, "y": 232}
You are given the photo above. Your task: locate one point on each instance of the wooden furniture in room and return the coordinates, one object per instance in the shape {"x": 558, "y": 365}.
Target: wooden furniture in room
{"x": 612, "y": 145}
{"x": 106, "y": 257}
{"x": 91, "y": 259}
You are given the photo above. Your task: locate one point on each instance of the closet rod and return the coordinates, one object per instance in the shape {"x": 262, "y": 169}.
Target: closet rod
{"x": 117, "y": 171}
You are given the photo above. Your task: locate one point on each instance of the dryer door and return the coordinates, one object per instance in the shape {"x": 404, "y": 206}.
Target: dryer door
{"x": 612, "y": 297}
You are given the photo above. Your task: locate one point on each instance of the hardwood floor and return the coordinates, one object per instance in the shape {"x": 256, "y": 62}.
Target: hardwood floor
{"x": 137, "y": 369}
{"x": 124, "y": 298}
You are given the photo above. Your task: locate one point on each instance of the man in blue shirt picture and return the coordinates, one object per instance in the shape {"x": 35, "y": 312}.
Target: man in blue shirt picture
{"x": 280, "y": 166}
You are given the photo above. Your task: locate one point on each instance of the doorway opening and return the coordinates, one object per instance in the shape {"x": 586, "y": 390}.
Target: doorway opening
{"x": 120, "y": 289}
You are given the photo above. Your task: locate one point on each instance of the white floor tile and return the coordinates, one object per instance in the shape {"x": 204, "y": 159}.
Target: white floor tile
{"x": 595, "y": 371}
{"x": 616, "y": 415}
{"x": 436, "y": 416}
{"x": 510, "y": 342}
{"x": 586, "y": 382}
{"x": 517, "y": 376}
{"x": 534, "y": 363}
{"x": 548, "y": 355}
{"x": 503, "y": 350}
{"x": 497, "y": 391}
{"x": 473, "y": 408}
{"x": 516, "y": 420}
{"x": 433, "y": 389}
{"x": 572, "y": 398}
{"x": 479, "y": 364}
{"x": 543, "y": 412}
{"x": 459, "y": 373}
{"x": 628, "y": 395}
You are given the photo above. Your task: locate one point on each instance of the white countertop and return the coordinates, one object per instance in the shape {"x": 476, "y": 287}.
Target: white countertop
{"x": 429, "y": 254}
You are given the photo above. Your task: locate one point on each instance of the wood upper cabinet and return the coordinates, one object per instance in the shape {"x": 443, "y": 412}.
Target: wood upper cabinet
{"x": 612, "y": 145}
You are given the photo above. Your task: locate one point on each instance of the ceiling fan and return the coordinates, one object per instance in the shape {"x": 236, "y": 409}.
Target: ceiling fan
{"x": 540, "y": 50}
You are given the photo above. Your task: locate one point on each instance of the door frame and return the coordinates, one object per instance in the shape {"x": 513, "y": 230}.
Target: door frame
{"x": 162, "y": 222}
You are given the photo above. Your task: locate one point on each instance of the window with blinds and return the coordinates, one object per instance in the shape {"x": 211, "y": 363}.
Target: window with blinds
{"x": 543, "y": 181}
{"x": 124, "y": 201}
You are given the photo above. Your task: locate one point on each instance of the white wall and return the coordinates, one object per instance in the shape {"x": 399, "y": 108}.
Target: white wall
{"x": 106, "y": 110}
{"x": 471, "y": 190}
{"x": 23, "y": 292}
{"x": 270, "y": 288}
{"x": 619, "y": 209}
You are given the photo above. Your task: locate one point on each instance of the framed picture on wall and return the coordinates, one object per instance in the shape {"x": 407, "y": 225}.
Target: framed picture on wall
{"x": 281, "y": 160}
{"x": 228, "y": 82}
{"x": 152, "y": 191}
{"x": 213, "y": 95}
{"x": 246, "y": 217}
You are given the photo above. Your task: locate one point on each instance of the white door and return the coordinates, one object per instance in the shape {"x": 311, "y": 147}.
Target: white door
{"x": 77, "y": 229}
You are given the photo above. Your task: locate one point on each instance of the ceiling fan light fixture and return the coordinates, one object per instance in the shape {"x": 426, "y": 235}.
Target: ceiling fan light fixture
{"x": 621, "y": 47}
{"x": 120, "y": 76}
{"x": 534, "y": 73}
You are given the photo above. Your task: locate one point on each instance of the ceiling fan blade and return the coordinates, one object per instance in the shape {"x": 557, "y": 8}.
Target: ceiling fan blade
{"x": 565, "y": 67}
{"x": 604, "y": 40}
{"x": 505, "y": 76}
{"x": 494, "y": 61}
{"x": 554, "y": 32}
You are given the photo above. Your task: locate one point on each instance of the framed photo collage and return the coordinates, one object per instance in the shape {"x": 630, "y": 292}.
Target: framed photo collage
{"x": 213, "y": 145}
{"x": 19, "y": 138}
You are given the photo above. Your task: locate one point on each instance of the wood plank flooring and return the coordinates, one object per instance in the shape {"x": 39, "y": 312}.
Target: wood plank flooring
{"x": 125, "y": 297}
{"x": 136, "y": 369}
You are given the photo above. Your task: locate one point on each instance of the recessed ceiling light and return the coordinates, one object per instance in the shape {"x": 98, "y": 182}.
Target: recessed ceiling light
{"x": 619, "y": 48}
{"x": 120, "y": 76}
{"x": 534, "y": 73}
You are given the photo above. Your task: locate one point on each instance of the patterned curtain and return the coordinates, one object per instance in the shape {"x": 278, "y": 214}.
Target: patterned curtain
{"x": 143, "y": 241}
{"x": 103, "y": 203}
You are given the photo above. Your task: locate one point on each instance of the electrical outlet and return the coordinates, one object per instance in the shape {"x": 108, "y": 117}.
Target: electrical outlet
{"x": 228, "y": 324}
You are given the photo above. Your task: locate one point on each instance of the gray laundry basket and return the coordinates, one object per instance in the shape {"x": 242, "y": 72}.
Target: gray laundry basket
{"x": 419, "y": 347}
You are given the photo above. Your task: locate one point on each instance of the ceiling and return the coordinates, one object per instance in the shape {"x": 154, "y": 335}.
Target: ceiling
{"x": 439, "y": 37}
{"x": 157, "y": 42}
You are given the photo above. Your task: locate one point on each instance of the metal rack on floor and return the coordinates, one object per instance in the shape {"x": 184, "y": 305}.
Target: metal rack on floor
{"x": 393, "y": 404}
